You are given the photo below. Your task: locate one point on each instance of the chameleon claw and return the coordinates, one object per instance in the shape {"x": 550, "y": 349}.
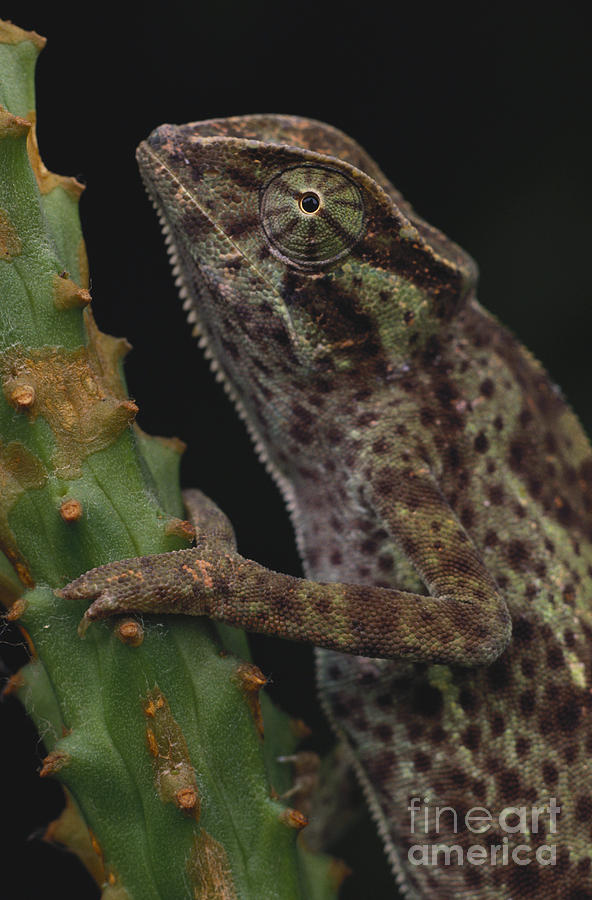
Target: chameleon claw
{"x": 83, "y": 625}
{"x": 103, "y": 607}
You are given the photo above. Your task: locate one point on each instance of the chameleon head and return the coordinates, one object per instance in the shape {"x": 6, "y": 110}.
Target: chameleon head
{"x": 272, "y": 217}
{"x": 296, "y": 256}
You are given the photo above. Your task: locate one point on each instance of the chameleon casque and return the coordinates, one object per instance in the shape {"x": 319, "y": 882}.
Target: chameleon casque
{"x": 440, "y": 489}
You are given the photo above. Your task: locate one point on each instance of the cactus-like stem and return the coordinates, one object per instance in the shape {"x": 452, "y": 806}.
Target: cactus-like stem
{"x": 154, "y": 728}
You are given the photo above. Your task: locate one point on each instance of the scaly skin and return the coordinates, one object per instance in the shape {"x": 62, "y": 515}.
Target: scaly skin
{"x": 431, "y": 469}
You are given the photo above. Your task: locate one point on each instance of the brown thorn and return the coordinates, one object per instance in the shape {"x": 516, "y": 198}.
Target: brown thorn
{"x": 53, "y": 762}
{"x": 12, "y": 126}
{"x": 71, "y": 510}
{"x": 251, "y": 679}
{"x": 22, "y": 396}
{"x": 130, "y": 407}
{"x": 14, "y": 684}
{"x": 300, "y": 729}
{"x": 338, "y": 872}
{"x": 12, "y": 34}
{"x": 130, "y": 632}
{"x": 180, "y": 528}
{"x": 67, "y": 294}
{"x": 186, "y": 799}
{"x": 16, "y": 610}
{"x": 293, "y": 819}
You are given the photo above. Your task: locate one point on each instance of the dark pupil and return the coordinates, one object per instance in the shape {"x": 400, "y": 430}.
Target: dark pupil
{"x": 310, "y": 203}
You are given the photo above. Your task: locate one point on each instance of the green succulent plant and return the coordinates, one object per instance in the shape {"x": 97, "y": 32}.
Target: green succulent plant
{"x": 154, "y": 729}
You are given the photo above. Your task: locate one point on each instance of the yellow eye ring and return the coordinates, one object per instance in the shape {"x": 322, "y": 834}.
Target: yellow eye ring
{"x": 310, "y": 203}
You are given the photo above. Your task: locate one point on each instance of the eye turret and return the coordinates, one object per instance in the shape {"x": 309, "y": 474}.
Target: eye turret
{"x": 312, "y": 214}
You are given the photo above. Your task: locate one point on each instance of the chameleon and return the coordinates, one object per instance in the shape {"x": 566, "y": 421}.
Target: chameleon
{"x": 439, "y": 485}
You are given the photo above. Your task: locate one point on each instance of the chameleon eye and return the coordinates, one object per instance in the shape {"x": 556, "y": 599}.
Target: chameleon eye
{"x": 311, "y": 214}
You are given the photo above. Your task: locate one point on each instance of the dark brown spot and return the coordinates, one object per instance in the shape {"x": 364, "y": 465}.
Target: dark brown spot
{"x": 428, "y": 700}
{"x": 381, "y": 446}
{"x": 438, "y": 735}
{"x": 583, "y": 808}
{"x": 568, "y": 715}
{"x": 569, "y": 637}
{"x": 527, "y": 702}
{"x": 334, "y": 436}
{"x": 453, "y": 456}
{"x": 384, "y": 733}
{"x": 446, "y": 393}
{"x": 366, "y": 418}
{"x": 368, "y": 547}
{"x": 458, "y": 777}
{"x": 469, "y": 701}
{"x": 569, "y": 594}
{"x": 422, "y": 761}
{"x": 301, "y": 434}
{"x": 479, "y": 789}
{"x": 426, "y": 416}
{"x": 527, "y": 666}
{"x": 509, "y": 784}
{"x": 523, "y": 630}
{"x": 385, "y": 562}
{"x": 467, "y": 516}
{"x": 525, "y": 417}
{"x": 499, "y": 675}
{"x": 496, "y": 494}
{"x": 517, "y": 555}
{"x": 481, "y": 444}
{"x": 498, "y": 725}
{"x": 472, "y": 737}
{"x": 516, "y": 455}
{"x": 490, "y": 539}
{"x": 555, "y": 659}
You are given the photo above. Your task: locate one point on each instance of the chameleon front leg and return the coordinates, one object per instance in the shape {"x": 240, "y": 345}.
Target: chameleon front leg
{"x": 464, "y": 620}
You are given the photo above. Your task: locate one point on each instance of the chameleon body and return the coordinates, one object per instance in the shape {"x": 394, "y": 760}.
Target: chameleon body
{"x": 440, "y": 488}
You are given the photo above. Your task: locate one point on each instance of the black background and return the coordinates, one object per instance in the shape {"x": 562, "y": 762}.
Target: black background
{"x": 480, "y": 118}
